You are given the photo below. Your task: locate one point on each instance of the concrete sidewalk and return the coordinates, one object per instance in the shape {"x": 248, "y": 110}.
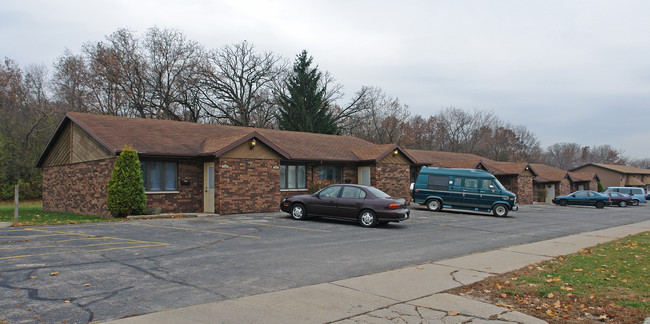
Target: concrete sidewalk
{"x": 409, "y": 295}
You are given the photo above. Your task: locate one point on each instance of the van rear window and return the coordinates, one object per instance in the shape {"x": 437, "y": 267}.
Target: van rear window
{"x": 438, "y": 182}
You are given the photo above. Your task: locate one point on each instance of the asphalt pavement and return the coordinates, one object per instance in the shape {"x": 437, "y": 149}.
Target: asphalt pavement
{"x": 270, "y": 268}
{"x": 413, "y": 294}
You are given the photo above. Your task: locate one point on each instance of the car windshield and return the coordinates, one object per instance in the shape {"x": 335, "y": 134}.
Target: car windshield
{"x": 377, "y": 193}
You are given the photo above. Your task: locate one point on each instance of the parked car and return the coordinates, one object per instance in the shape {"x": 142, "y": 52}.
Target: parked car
{"x": 618, "y": 198}
{"x": 637, "y": 194}
{"x": 584, "y": 198}
{"x": 647, "y": 197}
{"x": 367, "y": 205}
{"x": 466, "y": 189}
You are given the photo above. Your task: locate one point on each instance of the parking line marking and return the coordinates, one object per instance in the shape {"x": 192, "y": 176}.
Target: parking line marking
{"x": 63, "y": 246}
{"x": 30, "y": 236}
{"x": 195, "y": 230}
{"x": 88, "y": 236}
{"x": 100, "y": 250}
{"x": 291, "y": 227}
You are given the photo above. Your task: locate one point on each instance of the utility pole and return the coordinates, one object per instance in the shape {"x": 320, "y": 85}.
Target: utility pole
{"x": 16, "y": 205}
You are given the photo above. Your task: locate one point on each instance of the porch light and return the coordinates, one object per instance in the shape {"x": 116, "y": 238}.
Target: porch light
{"x": 252, "y": 144}
{"x": 395, "y": 152}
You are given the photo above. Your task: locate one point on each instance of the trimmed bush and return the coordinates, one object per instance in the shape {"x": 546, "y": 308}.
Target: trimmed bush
{"x": 125, "y": 189}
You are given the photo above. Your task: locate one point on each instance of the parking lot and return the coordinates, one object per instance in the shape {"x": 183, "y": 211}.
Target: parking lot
{"x": 103, "y": 271}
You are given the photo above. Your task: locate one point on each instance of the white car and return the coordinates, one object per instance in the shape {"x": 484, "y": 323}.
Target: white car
{"x": 637, "y": 194}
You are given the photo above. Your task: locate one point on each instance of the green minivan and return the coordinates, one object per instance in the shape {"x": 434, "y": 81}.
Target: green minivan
{"x": 465, "y": 189}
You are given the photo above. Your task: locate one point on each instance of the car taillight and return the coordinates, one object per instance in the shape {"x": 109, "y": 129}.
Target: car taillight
{"x": 416, "y": 191}
{"x": 393, "y": 206}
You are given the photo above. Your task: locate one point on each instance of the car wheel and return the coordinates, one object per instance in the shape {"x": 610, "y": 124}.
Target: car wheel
{"x": 367, "y": 219}
{"x": 622, "y": 203}
{"x": 500, "y": 210}
{"x": 298, "y": 212}
{"x": 600, "y": 205}
{"x": 635, "y": 202}
{"x": 434, "y": 205}
{"x": 563, "y": 202}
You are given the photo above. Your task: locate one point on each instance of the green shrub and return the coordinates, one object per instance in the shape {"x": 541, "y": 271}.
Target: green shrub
{"x": 318, "y": 184}
{"x": 600, "y": 187}
{"x": 125, "y": 189}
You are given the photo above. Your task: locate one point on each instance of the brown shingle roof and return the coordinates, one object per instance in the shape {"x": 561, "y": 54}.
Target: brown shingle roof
{"x": 547, "y": 173}
{"x": 582, "y": 176}
{"x": 446, "y": 159}
{"x": 373, "y": 152}
{"x": 155, "y": 137}
{"x": 506, "y": 168}
{"x": 632, "y": 181}
{"x": 618, "y": 168}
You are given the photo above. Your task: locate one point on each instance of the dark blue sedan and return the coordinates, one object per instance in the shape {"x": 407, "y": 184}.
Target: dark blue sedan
{"x": 583, "y": 198}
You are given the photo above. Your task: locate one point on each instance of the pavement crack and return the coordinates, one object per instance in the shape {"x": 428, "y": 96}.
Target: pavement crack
{"x": 170, "y": 280}
{"x": 453, "y": 277}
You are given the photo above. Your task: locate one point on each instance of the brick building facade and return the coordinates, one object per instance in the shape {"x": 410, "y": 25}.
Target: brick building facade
{"x": 226, "y": 169}
{"x": 189, "y": 167}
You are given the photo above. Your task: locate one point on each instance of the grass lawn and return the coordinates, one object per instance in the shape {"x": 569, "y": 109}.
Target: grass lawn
{"x": 31, "y": 213}
{"x": 607, "y": 283}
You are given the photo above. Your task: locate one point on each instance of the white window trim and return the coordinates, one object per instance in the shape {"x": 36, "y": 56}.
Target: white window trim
{"x": 161, "y": 192}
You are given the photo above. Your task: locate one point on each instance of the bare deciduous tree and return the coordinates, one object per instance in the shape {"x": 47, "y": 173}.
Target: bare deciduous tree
{"x": 237, "y": 85}
{"x": 377, "y": 117}
{"x": 173, "y": 62}
{"x": 70, "y": 82}
{"x": 460, "y": 131}
{"x": 564, "y": 155}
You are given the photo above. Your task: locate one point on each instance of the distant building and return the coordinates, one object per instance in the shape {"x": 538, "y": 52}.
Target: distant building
{"x": 612, "y": 175}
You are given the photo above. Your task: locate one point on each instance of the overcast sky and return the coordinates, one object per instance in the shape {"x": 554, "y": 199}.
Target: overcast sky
{"x": 571, "y": 71}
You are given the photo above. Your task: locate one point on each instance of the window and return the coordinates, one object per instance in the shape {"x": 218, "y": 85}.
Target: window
{"x": 353, "y": 193}
{"x": 330, "y": 192}
{"x": 458, "y": 181}
{"x": 438, "y": 182}
{"x": 292, "y": 177}
{"x": 471, "y": 183}
{"x": 486, "y": 183}
{"x": 159, "y": 175}
{"x": 332, "y": 173}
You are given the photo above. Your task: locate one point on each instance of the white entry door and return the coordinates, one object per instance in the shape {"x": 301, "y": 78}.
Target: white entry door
{"x": 364, "y": 176}
{"x": 208, "y": 187}
{"x": 550, "y": 193}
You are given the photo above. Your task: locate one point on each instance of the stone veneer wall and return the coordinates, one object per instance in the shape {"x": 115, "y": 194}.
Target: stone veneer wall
{"x": 393, "y": 179}
{"x": 189, "y": 198}
{"x": 565, "y": 188}
{"x": 78, "y": 188}
{"x": 247, "y": 186}
{"x": 81, "y": 188}
{"x": 524, "y": 190}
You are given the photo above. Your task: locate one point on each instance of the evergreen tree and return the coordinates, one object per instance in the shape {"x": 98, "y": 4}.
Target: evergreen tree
{"x": 304, "y": 106}
{"x": 125, "y": 189}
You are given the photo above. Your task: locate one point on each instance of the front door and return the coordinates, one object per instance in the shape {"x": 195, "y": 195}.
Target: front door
{"x": 364, "y": 176}
{"x": 208, "y": 187}
{"x": 550, "y": 193}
